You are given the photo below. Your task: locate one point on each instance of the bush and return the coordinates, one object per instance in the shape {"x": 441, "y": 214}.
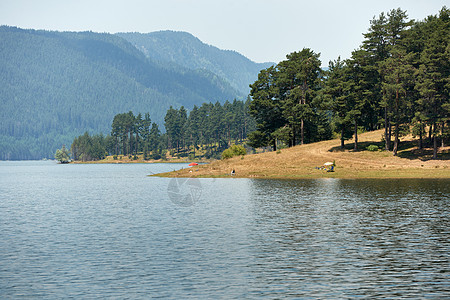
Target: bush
{"x": 115, "y": 157}
{"x": 156, "y": 155}
{"x": 235, "y": 150}
{"x": 227, "y": 154}
{"x": 62, "y": 155}
{"x": 372, "y": 148}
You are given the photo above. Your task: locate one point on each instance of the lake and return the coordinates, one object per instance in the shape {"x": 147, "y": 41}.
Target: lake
{"x": 110, "y": 231}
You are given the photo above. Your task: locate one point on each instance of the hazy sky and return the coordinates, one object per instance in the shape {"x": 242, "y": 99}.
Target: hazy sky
{"x": 262, "y": 30}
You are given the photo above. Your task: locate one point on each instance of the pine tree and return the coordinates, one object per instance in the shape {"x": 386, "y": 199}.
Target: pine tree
{"x": 433, "y": 81}
{"x": 337, "y": 91}
{"x": 398, "y": 80}
{"x": 299, "y": 79}
{"x": 266, "y": 108}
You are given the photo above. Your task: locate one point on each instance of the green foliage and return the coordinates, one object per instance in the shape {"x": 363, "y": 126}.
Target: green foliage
{"x": 186, "y": 50}
{"x": 257, "y": 139}
{"x": 89, "y": 148}
{"x": 214, "y": 125}
{"x": 284, "y": 104}
{"x": 372, "y": 148}
{"x": 235, "y": 150}
{"x": 227, "y": 154}
{"x": 62, "y": 155}
{"x": 398, "y": 77}
{"x": 211, "y": 124}
{"x": 77, "y": 82}
{"x": 157, "y": 155}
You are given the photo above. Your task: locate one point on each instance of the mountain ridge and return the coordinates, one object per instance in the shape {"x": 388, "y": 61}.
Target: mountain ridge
{"x": 57, "y": 85}
{"x": 185, "y": 49}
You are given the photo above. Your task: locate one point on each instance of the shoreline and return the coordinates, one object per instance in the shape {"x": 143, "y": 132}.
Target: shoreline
{"x": 391, "y": 174}
{"x": 302, "y": 161}
{"x": 109, "y": 160}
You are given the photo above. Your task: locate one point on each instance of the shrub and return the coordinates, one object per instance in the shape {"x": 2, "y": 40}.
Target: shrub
{"x": 62, "y": 155}
{"x": 372, "y": 148}
{"x": 235, "y": 150}
{"x": 157, "y": 155}
{"x": 115, "y": 156}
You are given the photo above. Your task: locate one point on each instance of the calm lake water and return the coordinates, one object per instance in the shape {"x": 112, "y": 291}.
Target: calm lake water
{"x": 110, "y": 231}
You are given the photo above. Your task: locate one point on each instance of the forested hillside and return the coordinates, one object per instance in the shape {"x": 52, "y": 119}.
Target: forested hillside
{"x": 399, "y": 80}
{"x": 184, "y": 49}
{"x": 57, "y": 85}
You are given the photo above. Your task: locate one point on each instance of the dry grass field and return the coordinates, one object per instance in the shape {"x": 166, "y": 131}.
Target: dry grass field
{"x": 302, "y": 162}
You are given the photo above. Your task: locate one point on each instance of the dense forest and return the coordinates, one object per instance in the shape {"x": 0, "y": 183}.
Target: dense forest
{"x": 182, "y": 48}
{"x": 210, "y": 128}
{"x": 57, "y": 85}
{"x": 399, "y": 80}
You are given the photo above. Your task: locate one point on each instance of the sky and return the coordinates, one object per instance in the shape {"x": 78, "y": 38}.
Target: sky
{"x": 262, "y": 30}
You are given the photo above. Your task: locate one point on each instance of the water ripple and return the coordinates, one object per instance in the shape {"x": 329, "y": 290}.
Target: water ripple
{"x": 108, "y": 231}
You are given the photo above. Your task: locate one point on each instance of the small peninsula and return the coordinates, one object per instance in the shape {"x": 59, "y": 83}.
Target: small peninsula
{"x": 302, "y": 162}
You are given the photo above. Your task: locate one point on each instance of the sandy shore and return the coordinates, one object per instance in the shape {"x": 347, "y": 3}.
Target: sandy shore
{"x": 302, "y": 162}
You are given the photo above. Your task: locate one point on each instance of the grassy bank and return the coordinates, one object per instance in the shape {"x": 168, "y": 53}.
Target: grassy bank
{"x": 302, "y": 162}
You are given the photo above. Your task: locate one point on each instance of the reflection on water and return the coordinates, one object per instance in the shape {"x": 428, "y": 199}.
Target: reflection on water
{"x": 90, "y": 231}
{"x": 349, "y": 238}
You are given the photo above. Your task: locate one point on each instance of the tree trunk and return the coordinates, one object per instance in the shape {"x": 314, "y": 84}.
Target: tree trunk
{"x": 389, "y": 133}
{"x": 430, "y": 132}
{"x": 435, "y": 146}
{"x": 420, "y": 137}
{"x": 356, "y": 136}
{"x": 274, "y": 145}
{"x": 396, "y": 121}
{"x": 124, "y": 144}
{"x": 303, "y": 101}
{"x": 294, "y": 137}
{"x": 442, "y": 135}
{"x": 342, "y": 137}
{"x": 130, "y": 145}
{"x": 302, "y": 133}
{"x": 386, "y": 136}
{"x": 396, "y": 141}
{"x": 137, "y": 144}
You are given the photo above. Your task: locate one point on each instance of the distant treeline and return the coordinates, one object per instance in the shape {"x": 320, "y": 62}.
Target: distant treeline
{"x": 56, "y": 85}
{"x": 398, "y": 79}
{"x": 212, "y": 127}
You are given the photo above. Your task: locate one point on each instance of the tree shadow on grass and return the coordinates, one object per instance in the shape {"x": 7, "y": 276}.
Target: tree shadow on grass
{"x": 407, "y": 149}
{"x": 424, "y": 154}
{"x": 361, "y": 147}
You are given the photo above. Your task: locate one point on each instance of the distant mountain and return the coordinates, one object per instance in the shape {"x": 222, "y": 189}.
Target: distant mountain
{"x": 188, "y": 51}
{"x": 57, "y": 85}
